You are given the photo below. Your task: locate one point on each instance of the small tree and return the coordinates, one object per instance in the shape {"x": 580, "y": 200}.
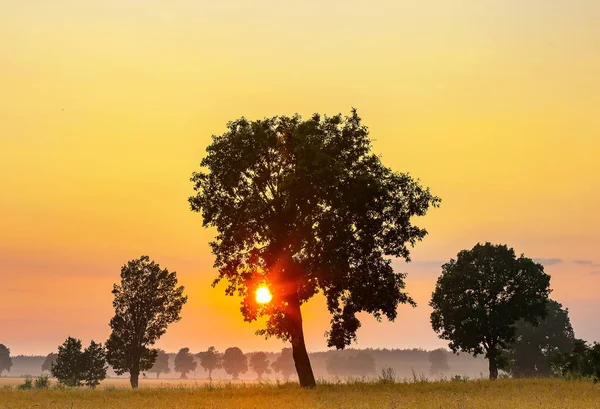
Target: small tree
{"x": 5, "y": 359}
{"x": 94, "y": 364}
{"x": 529, "y": 354}
{"x": 260, "y": 364}
{"x": 438, "y": 359}
{"x": 74, "y": 367}
{"x": 583, "y": 360}
{"x": 306, "y": 207}
{"x": 210, "y": 360}
{"x": 68, "y": 367}
{"x": 146, "y": 301}
{"x": 361, "y": 364}
{"x": 50, "y": 359}
{"x": 184, "y": 362}
{"x": 235, "y": 362}
{"x": 482, "y": 294}
{"x": 161, "y": 365}
{"x": 284, "y": 363}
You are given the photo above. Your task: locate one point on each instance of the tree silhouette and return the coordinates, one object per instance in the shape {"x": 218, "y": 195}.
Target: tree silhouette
{"x": 284, "y": 364}
{"x": 438, "y": 359}
{"x": 161, "y": 365}
{"x": 184, "y": 362}
{"x": 583, "y": 360}
{"x": 361, "y": 364}
{"x": 47, "y": 364}
{"x": 235, "y": 362}
{"x": 5, "y": 359}
{"x": 259, "y": 364}
{"x": 146, "y": 301}
{"x": 482, "y": 294}
{"x": 210, "y": 360}
{"x": 74, "y": 367}
{"x": 306, "y": 207}
{"x": 534, "y": 344}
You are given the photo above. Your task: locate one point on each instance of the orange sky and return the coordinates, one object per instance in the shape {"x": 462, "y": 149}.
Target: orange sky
{"x": 106, "y": 108}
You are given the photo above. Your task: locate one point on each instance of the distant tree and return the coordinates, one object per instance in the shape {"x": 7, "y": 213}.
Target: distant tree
{"x": 235, "y": 362}
{"x": 5, "y": 359}
{"x": 438, "y": 359}
{"x": 534, "y": 344}
{"x": 361, "y": 364}
{"x": 161, "y": 365}
{"x": 259, "y": 364}
{"x": 284, "y": 364}
{"x": 50, "y": 359}
{"x": 94, "y": 364}
{"x": 146, "y": 301}
{"x": 210, "y": 360}
{"x": 482, "y": 294}
{"x": 184, "y": 362}
{"x": 583, "y": 360}
{"x": 305, "y": 206}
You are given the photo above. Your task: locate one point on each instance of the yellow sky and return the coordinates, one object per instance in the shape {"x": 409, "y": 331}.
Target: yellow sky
{"x": 106, "y": 108}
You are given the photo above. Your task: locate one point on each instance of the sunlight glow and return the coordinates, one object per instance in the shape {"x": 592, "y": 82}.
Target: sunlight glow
{"x": 263, "y": 295}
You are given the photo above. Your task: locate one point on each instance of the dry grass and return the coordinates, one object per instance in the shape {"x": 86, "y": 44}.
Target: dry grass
{"x": 502, "y": 394}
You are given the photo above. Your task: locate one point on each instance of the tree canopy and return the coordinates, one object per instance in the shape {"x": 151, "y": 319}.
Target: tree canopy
{"x": 184, "y": 362}
{"x": 146, "y": 301}
{"x": 74, "y": 367}
{"x": 304, "y": 206}
{"x": 50, "y": 359}
{"x": 260, "y": 364}
{"x": 438, "y": 359}
{"x": 5, "y": 359}
{"x": 161, "y": 365}
{"x": 534, "y": 345}
{"x": 480, "y": 296}
{"x": 235, "y": 362}
{"x": 210, "y": 360}
{"x": 284, "y": 363}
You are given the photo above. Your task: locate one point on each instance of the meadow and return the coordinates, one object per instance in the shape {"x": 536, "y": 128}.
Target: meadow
{"x": 476, "y": 394}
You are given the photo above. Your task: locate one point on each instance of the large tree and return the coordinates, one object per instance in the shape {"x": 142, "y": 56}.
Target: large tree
{"x": 438, "y": 359}
{"x": 534, "y": 345}
{"x": 284, "y": 363}
{"x": 161, "y": 365}
{"x": 259, "y": 364}
{"x": 210, "y": 360}
{"x": 480, "y": 296}
{"x": 305, "y": 206}
{"x": 235, "y": 362}
{"x": 5, "y": 359}
{"x": 146, "y": 301}
{"x": 184, "y": 362}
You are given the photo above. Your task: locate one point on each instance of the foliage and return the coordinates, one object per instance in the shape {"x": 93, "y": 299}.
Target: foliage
{"x": 41, "y": 382}
{"x": 387, "y": 375}
{"x": 284, "y": 363}
{"x": 481, "y": 295}
{"x": 50, "y": 359}
{"x": 74, "y": 367}
{"x": 146, "y": 301}
{"x": 161, "y": 365}
{"x": 438, "y": 358}
{"x": 210, "y": 360}
{"x": 259, "y": 364}
{"x": 582, "y": 361}
{"x": 5, "y": 359}
{"x": 361, "y": 364}
{"x": 184, "y": 362}
{"x": 235, "y": 362}
{"x": 304, "y": 206}
{"x": 27, "y": 384}
{"x": 534, "y": 344}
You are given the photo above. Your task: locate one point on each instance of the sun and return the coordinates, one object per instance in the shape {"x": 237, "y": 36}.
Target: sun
{"x": 263, "y": 295}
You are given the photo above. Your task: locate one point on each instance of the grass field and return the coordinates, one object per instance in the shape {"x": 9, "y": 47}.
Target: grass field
{"x": 480, "y": 394}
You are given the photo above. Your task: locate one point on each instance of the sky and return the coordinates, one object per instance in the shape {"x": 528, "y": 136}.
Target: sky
{"x": 106, "y": 108}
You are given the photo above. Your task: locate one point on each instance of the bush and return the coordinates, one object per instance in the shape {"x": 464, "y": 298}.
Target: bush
{"x": 388, "y": 375}
{"x": 42, "y": 382}
{"x": 27, "y": 385}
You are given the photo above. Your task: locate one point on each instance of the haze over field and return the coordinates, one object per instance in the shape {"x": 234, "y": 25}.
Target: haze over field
{"x": 106, "y": 109}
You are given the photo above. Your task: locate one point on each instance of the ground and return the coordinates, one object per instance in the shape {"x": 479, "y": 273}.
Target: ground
{"x": 478, "y": 394}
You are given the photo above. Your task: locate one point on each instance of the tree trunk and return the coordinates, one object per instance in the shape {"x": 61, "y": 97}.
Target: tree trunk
{"x": 157, "y": 374}
{"x": 493, "y": 361}
{"x": 133, "y": 378}
{"x": 301, "y": 360}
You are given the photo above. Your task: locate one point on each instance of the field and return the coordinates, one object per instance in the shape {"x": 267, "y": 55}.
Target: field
{"x": 479, "y": 394}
